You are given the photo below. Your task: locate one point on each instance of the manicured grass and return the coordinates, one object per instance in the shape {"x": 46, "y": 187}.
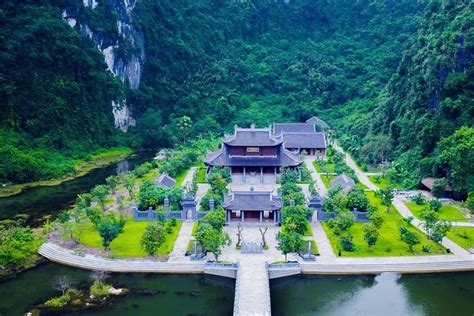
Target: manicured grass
{"x": 201, "y": 175}
{"x": 388, "y": 243}
{"x": 195, "y": 226}
{"x": 180, "y": 177}
{"x": 383, "y": 182}
{"x": 361, "y": 186}
{"x": 330, "y": 166}
{"x": 326, "y": 180}
{"x": 127, "y": 244}
{"x": 463, "y": 236}
{"x": 446, "y": 213}
{"x": 314, "y": 247}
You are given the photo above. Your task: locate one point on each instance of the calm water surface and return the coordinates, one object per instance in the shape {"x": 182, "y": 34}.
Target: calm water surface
{"x": 36, "y": 203}
{"x": 170, "y": 294}
{"x": 386, "y": 294}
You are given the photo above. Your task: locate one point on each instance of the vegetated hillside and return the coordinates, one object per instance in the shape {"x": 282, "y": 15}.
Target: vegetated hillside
{"x": 425, "y": 120}
{"x": 55, "y": 94}
{"x": 240, "y": 62}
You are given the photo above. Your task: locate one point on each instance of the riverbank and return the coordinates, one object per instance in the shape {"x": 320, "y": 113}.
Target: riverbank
{"x": 98, "y": 159}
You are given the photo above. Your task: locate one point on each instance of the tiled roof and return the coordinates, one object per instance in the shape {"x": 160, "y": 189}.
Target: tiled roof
{"x": 252, "y": 137}
{"x": 252, "y": 201}
{"x": 279, "y": 128}
{"x": 285, "y": 159}
{"x": 343, "y": 181}
{"x": 304, "y": 140}
{"x": 165, "y": 180}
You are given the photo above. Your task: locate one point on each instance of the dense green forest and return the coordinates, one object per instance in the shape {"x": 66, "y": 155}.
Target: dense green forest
{"x": 392, "y": 77}
{"x": 55, "y": 95}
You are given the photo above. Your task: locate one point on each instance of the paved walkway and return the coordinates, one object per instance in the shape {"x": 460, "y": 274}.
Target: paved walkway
{"x": 323, "y": 191}
{"x": 179, "y": 248}
{"x": 189, "y": 177}
{"x": 401, "y": 207}
{"x": 64, "y": 256}
{"x": 361, "y": 175}
{"x": 322, "y": 241}
{"x": 252, "y": 287}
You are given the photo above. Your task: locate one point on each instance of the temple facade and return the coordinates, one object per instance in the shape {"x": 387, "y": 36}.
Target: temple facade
{"x": 254, "y": 155}
{"x": 253, "y": 206}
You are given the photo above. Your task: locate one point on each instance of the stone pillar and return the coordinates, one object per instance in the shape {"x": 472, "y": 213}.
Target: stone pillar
{"x": 244, "y": 174}
{"x": 228, "y": 216}
{"x": 292, "y": 202}
{"x": 167, "y": 207}
{"x": 261, "y": 216}
{"x": 211, "y": 204}
{"x": 275, "y": 216}
{"x": 242, "y": 216}
{"x": 261, "y": 174}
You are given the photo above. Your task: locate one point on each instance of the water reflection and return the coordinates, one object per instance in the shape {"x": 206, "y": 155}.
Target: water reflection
{"x": 386, "y": 294}
{"x": 36, "y": 203}
{"x": 152, "y": 294}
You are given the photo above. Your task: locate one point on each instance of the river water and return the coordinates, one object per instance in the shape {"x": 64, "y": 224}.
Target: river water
{"x": 152, "y": 294}
{"x": 36, "y": 203}
{"x": 386, "y": 294}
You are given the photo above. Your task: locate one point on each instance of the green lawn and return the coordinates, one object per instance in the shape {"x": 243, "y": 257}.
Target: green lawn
{"x": 463, "y": 236}
{"x": 195, "y": 226}
{"x": 383, "y": 182}
{"x": 201, "y": 175}
{"x": 361, "y": 186}
{"x": 389, "y": 243}
{"x": 127, "y": 244}
{"x": 326, "y": 180}
{"x": 447, "y": 212}
{"x": 330, "y": 166}
{"x": 180, "y": 177}
{"x": 314, "y": 247}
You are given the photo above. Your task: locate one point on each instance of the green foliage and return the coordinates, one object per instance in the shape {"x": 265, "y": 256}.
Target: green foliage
{"x": 109, "y": 227}
{"x": 418, "y": 198}
{"x": 336, "y": 201}
{"x": 129, "y": 181}
{"x": 409, "y": 238}
{"x": 18, "y": 245}
{"x": 371, "y": 234}
{"x": 100, "y": 192}
{"x": 295, "y": 218}
{"x": 153, "y": 237}
{"x": 99, "y": 290}
{"x": 386, "y": 197}
{"x": 470, "y": 201}
{"x": 356, "y": 199}
{"x": 60, "y": 301}
{"x": 112, "y": 182}
{"x": 439, "y": 187}
{"x": 289, "y": 242}
{"x": 435, "y": 205}
{"x": 153, "y": 196}
{"x": 342, "y": 222}
{"x": 209, "y": 232}
{"x": 346, "y": 243}
{"x": 52, "y": 113}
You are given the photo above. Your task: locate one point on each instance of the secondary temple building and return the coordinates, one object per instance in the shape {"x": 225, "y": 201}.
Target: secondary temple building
{"x": 252, "y": 206}
{"x": 258, "y": 155}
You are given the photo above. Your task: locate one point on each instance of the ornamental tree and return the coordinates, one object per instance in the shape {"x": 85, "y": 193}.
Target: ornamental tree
{"x": 289, "y": 242}
{"x": 112, "y": 182}
{"x": 153, "y": 237}
{"x": 409, "y": 238}
{"x": 371, "y": 234}
{"x": 110, "y": 227}
{"x": 100, "y": 192}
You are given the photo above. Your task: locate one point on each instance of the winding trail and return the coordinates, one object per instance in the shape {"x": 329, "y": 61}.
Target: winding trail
{"x": 401, "y": 207}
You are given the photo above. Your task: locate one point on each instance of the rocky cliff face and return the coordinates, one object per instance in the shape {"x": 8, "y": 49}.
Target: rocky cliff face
{"x": 125, "y": 63}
